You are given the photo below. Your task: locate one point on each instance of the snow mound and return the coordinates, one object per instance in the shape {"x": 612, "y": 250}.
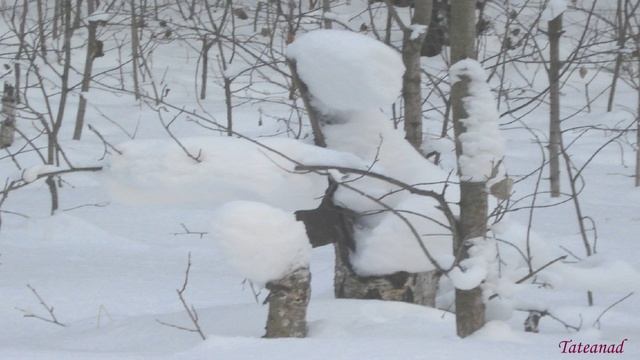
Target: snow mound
{"x": 384, "y": 242}
{"x": 482, "y": 143}
{"x": 327, "y": 61}
{"x": 159, "y": 172}
{"x": 262, "y": 242}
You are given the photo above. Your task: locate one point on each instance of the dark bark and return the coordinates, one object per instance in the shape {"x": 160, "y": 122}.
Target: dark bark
{"x": 135, "y": 43}
{"x": 555, "y": 30}
{"x": 8, "y": 126}
{"x": 411, "y": 80}
{"x": 86, "y": 76}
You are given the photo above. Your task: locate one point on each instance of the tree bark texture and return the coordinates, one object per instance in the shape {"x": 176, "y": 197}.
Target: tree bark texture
{"x": 470, "y": 308}
{"x": 411, "y": 80}
{"x": 86, "y": 76}
{"x": 288, "y": 300}
{"x": 555, "y": 30}
{"x": 8, "y": 126}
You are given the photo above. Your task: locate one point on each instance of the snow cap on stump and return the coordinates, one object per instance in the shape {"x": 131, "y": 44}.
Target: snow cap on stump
{"x": 262, "y": 242}
{"x": 347, "y": 71}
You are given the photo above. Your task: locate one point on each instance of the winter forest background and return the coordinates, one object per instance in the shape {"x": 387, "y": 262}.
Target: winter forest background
{"x": 319, "y": 179}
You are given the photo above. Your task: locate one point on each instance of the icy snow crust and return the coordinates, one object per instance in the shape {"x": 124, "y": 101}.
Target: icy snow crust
{"x": 325, "y": 60}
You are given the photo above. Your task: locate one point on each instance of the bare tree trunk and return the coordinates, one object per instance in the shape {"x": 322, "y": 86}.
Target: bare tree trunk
{"x": 206, "y": 45}
{"x": 86, "y": 76}
{"x": 555, "y": 30}
{"x": 8, "y": 126}
{"x": 288, "y": 300}
{"x": 622, "y": 22}
{"x": 41, "y": 38}
{"x": 21, "y": 34}
{"x": 52, "y": 147}
{"x": 76, "y": 19}
{"x": 134, "y": 49}
{"x": 638, "y": 130}
{"x": 411, "y": 80}
{"x": 326, "y": 8}
{"x": 56, "y": 19}
{"x": 228, "y": 105}
{"x": 470, "y": 308}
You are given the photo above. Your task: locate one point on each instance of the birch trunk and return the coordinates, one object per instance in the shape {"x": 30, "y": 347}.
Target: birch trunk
{"x": 8, "y": 127}
{"x": 288, "y": 301}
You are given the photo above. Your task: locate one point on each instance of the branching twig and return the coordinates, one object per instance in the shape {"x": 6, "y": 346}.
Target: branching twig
{"x": 191, "y": 311}
{"x": 52, "y": 316}
{"x": 597, "y": 322}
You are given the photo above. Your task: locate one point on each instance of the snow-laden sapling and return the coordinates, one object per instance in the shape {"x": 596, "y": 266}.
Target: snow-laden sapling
{"x": 479, "y": 149}
{"x": 269, "y": 247}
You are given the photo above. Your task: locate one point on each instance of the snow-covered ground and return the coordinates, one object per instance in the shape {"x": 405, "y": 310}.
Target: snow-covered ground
{"x": 110, "y": 260}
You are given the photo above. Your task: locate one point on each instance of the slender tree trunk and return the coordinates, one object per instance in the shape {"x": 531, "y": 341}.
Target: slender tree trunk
{"x": 134, "y": 49}
{"x": 228, "y": 105}
{"x": 555, "y": 30}
{"x": 411, "y": 80}
{"x": 206, "y": 45}
{"x": 86, "y": 76}
{"x": 41, "y": 38}
{"x": 76, "y": 19}
{"x": 638, "y": 131}
{"x": 21, "y": 34}
{"x": 326, "y": 8}
{"x": 470, "y": 308}
{"x": 622, "y": 22}
{"x": 56, "y": 19}
{"x": 8, "y": 126}
{"x": 52, "y": 148}
{"x": 288, "y": 300}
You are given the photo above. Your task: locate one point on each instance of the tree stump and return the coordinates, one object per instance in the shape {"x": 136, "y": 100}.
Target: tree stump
{"x": 288, "y": 300}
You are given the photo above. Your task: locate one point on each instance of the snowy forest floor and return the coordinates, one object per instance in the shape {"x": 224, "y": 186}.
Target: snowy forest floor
{"x": 111, "y": 269}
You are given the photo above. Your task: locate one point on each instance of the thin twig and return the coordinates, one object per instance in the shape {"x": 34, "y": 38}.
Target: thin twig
{"x": 52, "y": 316}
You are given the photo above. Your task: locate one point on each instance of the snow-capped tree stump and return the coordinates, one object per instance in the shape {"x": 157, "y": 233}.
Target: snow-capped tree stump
{"x": 8, "y": 127}
{"x": 288, "y": 300}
